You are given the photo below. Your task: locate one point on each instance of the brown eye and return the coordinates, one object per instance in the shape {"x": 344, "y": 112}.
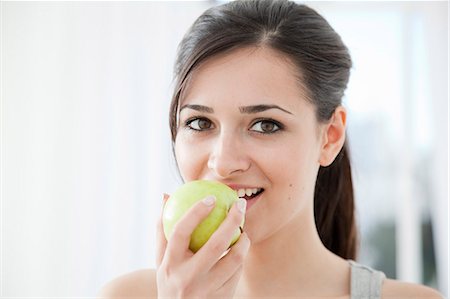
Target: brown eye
{"x": 199, "y": 124}
{"x": 204, "y": 124}
{"x": 266, "y": 127}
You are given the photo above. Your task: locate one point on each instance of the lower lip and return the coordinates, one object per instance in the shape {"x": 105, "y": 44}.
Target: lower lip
{"x": 251, "y": 202}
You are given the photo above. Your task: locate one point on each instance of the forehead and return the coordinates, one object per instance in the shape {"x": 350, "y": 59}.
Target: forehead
{"x": 246, "y": 76}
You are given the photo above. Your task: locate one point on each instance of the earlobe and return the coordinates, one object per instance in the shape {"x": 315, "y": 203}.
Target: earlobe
{"x": 333, "y": 137}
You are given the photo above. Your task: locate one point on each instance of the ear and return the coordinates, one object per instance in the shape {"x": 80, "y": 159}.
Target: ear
{"x": 333, "y": 137}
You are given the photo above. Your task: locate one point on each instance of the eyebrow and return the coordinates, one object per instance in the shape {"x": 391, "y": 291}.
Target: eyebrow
{"x": 243, "y": 109}
{"x": 199, "y": 108}
{"x": 260, "y": 108}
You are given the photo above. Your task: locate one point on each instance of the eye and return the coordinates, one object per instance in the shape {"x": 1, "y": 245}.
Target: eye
{"x": 266, "y": 126}
{"x": 199, "y": 124}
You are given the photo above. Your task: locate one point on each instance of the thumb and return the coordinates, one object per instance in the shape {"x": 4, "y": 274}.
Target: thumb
{"x": 161, "y": 241}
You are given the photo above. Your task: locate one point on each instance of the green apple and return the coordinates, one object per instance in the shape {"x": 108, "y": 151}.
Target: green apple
{"x": 190, "y": 193}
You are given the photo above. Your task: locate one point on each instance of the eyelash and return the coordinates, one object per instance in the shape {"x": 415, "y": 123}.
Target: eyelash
{"x": 188, "y": 122}
{"x": 279, "y": 126}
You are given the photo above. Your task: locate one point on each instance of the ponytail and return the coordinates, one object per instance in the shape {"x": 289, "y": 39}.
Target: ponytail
{"x": 334, "y": 207}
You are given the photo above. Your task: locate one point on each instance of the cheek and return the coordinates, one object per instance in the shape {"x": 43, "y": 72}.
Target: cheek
{"x": 189, "y": 159}
{"x": 292, "y": 164}
{"x": 294, "y": 173}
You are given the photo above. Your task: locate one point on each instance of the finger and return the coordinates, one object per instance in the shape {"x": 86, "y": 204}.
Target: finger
{"x": 227, "y": 266}
{"x": 178, "y": 244}
{"x": 161, "y": 242}
{"x": 211, "y": 252}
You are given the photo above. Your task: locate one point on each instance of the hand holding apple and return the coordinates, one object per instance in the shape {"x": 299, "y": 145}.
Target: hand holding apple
{"x": 208, "y": 273}
{"x": 189, "y": 194}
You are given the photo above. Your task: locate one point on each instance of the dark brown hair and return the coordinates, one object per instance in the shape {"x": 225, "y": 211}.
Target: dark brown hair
{"x": 323, "y": 64}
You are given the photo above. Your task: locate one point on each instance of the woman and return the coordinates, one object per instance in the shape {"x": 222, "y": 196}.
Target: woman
{"x": 257, "y": 106}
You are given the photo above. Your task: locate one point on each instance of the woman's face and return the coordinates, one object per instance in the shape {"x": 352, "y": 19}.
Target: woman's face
{"x": 245, "y": 121}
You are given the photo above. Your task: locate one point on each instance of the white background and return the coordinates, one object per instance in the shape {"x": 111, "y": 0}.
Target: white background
{"x": 85, "y": 147}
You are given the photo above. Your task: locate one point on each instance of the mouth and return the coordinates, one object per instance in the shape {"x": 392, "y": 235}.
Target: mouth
{"x": 250, "y": 195}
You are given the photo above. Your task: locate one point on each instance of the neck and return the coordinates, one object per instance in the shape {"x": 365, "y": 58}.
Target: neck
{"x": 294, "y": 262}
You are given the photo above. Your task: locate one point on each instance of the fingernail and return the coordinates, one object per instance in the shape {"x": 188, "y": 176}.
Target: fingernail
{"x": 209, "y": 201}
{"x": 165, "y": 197}
{"x": 242, "y": 205}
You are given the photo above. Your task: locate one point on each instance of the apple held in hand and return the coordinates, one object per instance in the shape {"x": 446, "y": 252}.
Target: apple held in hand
{"x": 190, "y": 193}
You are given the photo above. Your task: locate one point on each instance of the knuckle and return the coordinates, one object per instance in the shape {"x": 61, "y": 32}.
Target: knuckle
{"x": 237, "y": 218}
{"x": 238, "y": 257}
{"x": 217, "y": 247}
{"x": 246, "y": 241}
{"x": 164, "y": 272}
{"x": 178, "y": 232}
{"x": 197, "y": 211}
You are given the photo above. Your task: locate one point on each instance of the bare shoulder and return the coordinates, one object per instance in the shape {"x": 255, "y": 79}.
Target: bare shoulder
{"x": 136, "y": 285}
{"x": 398, "y": 289}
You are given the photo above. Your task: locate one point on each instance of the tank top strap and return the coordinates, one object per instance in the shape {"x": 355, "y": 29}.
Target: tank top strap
{"x": 366, "y": 283}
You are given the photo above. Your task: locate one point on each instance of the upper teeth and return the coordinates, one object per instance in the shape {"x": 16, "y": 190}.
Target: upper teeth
{"x": 248, "y": 192}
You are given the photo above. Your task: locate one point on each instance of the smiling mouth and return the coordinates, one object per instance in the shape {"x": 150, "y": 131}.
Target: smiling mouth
{"x": 250, "y": 193}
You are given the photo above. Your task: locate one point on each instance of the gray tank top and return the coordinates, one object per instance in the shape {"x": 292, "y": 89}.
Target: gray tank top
{"x": 366, "y": 283}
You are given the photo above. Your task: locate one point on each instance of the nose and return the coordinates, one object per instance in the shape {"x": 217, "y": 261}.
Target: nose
{"x": 228, "y": 156}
